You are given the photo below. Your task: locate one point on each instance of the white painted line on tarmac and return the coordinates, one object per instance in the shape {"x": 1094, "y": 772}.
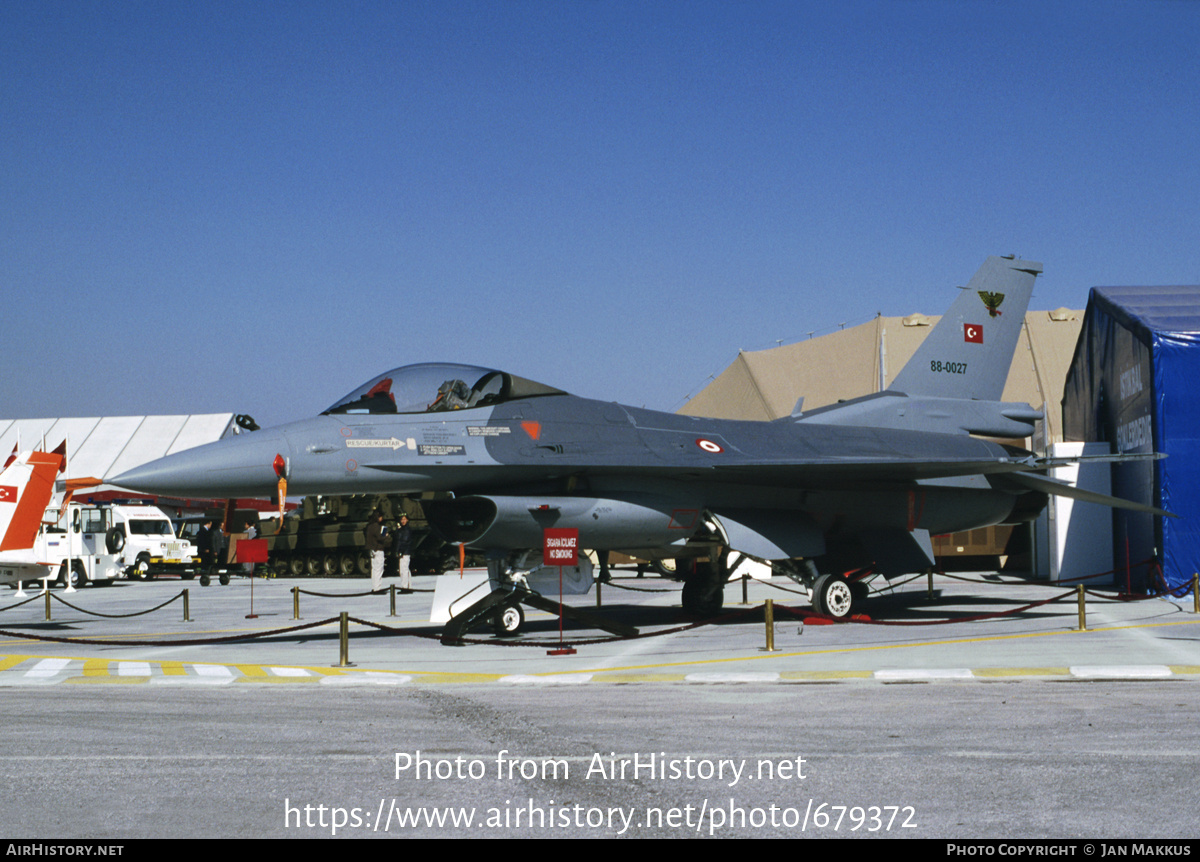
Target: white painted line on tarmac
{"x": 732, "y": 677}
{"x": 551, "y": 679}
{"x": 921, "y": 674}
{"x": 133, "y": 668}
{"x": 1118, "y": 671}
{"x": 212, "y": 670}
{"x": 288, "y": 671}
{"x": 367, "y": 678}
{"x": 47, "y": 667}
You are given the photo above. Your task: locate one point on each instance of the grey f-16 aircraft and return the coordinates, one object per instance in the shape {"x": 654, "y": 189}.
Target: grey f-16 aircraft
{"x": 857, "y": 486}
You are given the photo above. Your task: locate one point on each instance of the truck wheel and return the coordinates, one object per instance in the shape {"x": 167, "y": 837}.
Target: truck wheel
{"x": 205, "y": 580}
{"x": 114, "y": 540}
{"x": 140, "y": 570}
{"x": 224, "y": 578}
{"x": 78, "y": 576}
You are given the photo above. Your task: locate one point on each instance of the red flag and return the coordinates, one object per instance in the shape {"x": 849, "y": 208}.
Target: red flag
{"x": 973, "y": 333}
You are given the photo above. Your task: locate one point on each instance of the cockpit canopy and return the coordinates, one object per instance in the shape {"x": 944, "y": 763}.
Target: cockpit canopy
{"x": 436, "y": 387}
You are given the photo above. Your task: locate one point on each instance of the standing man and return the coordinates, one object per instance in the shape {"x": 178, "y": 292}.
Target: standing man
{"x": 402, "y": 548}
{"x": 373, "y": 536}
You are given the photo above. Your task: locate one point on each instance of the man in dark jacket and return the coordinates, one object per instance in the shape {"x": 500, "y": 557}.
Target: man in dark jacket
{"x": 402, "y": 548}
{"x": 373, "y": 537}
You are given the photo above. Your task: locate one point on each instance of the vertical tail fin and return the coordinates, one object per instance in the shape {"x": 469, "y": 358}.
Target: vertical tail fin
{"x": 969, "y": 352}
{"x": 26, "y": 486}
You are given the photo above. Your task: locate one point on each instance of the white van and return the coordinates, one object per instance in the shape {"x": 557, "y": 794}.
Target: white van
{"x": 143, "y": 539}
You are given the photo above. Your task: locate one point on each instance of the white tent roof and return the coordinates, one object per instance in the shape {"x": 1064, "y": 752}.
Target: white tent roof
{"x": 109, "y": 445}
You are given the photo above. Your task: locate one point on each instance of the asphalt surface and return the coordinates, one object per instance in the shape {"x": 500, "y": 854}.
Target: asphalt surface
{"x": 980, "y": 713}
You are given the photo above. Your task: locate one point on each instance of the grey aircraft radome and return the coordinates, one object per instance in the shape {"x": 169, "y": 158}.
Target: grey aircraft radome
{"x": 858, "y": 486}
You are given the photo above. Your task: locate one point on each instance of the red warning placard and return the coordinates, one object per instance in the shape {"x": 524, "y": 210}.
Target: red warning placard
{"x": 560, "y": 546}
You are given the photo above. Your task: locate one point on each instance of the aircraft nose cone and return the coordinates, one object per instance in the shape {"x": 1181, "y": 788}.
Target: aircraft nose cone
{"x": 241, "y": 466}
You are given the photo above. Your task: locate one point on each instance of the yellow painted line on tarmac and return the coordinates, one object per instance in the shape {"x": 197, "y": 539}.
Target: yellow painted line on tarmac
{"x": 108, "y": 680}
{"x": 250, "y": 670}
{"x": 172, "y": 668}
{"x": 865, "y": 649}
{"x": 822, "y": 675}
{"x": 257, "y": 680}
{"x": 12, "y": 660}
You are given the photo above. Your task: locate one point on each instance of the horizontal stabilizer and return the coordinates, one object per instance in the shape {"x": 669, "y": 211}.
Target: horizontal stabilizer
{"x": 1071, "y": 460}
{"x": 1061, "y": 489}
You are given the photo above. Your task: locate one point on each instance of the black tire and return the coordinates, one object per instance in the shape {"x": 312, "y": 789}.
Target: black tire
{"x": 79, "y": 576}
{"x": 205, "y": 580}
{"x": 140, "y": 570}
{"x": 703, "y": 587}
{"x": 834, "y": 596}
{"x": 114, "y": 540}
{"x": 224, "y": 579}
{"x": 508, "y": 620}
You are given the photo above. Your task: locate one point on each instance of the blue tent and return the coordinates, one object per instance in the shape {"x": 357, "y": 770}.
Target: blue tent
{"x": 1134, "y": 382}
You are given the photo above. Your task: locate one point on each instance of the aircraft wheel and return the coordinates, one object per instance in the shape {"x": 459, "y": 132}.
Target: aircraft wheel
{"x": 703, "y": 587}
{"x": 508, "y": 620}
{"x": 834, "y": 596}
{"x": 666, "y": 568}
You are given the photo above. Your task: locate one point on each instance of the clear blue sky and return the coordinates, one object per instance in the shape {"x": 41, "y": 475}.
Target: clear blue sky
{"x": 254, "y": 207}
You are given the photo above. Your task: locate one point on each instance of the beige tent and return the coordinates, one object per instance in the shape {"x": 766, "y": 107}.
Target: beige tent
{"x": 766, "y": 384}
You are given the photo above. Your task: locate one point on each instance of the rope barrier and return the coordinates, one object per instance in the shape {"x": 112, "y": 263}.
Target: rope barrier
{"x": 171, "y": 600}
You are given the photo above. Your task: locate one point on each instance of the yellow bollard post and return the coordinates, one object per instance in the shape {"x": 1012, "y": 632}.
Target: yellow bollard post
{"x": 295, "y": 603}
{"x": 745, "y": 593}
{"x": 769, "y": 619}
{"x": 1082, "y": 611}
{"x": 599, "y": 584}
{"x": 392, "y": 599}
{"x": 929, "y": 588}
{"x": 344, "y": 641}
{"x": 186, "y": 616}
{"x": 47, "y": 601}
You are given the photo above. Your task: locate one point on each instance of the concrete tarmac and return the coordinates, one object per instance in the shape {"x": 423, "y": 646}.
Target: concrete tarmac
{"x": 980, "y": 713}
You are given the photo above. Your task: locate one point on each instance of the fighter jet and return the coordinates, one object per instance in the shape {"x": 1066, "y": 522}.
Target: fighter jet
{"x": 858, "y": 486}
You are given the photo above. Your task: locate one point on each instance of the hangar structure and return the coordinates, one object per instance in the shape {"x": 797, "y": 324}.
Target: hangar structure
{"x": 860, "y": 360}
{"x": 1131, "y": 384}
